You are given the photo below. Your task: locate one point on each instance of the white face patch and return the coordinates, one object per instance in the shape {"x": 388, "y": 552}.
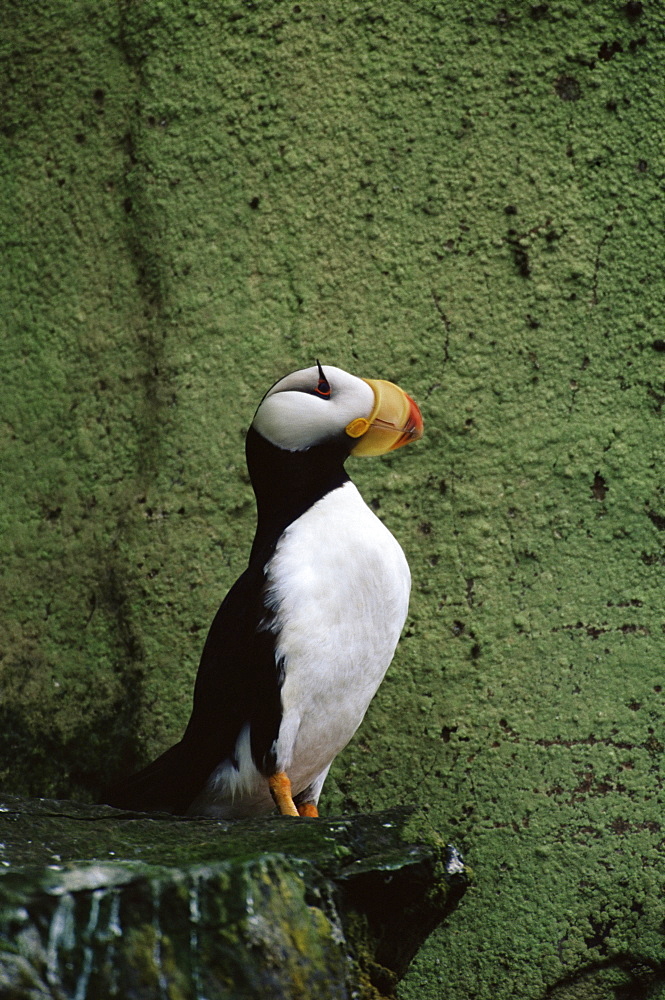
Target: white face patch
{"x": 291, "y": 416}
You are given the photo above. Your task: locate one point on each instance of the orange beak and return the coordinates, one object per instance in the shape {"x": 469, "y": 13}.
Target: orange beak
{"x": 394, "y": 421}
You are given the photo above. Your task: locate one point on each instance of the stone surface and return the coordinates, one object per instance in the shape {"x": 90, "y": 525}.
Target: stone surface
{"x": 465, "y": 198}
{"x": 95, "y": 902}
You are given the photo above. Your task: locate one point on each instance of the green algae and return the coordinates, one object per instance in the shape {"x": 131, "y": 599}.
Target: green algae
{"x": 465, "y": 198}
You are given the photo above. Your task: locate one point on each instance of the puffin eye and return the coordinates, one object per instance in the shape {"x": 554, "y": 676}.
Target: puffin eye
{"x": 323, "y": 387}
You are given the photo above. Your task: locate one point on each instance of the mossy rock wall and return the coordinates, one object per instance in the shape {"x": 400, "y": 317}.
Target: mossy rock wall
{"x": 464, "y": 198}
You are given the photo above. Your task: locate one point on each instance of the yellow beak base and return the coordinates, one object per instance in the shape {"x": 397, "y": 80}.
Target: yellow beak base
{"x": 394, "y": 421}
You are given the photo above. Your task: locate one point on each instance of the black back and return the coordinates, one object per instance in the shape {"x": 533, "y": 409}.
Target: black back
{"x": 238, "y": 681}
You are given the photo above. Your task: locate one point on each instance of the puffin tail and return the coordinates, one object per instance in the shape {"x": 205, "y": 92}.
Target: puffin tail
{"x": 169, "y": 784}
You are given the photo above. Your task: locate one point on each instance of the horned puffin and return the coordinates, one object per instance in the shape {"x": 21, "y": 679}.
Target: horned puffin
{"x": 304, "y": 637}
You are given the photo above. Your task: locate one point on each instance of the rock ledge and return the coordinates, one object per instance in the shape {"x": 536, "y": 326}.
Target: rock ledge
{"x": 98, "y": 902}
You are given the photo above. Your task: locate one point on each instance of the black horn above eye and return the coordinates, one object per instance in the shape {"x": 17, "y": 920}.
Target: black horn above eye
{"x": 323, "y": 387}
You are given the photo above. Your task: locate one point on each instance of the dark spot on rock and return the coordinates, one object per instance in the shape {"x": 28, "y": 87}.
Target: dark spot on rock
{"x": 608, "y": 50}
{"x": 255, "y": 202}
{"x": 656, "y": 519}
{"x": 599, "y": 487}
{"x": 503, "y": 18}
{"x": 633, "y": 11}
{"x": 586, "y": 782}
{"x": 619, "y": 826}
{"x": 659, "y": 398}
{"x": 567, "y": 87}
{"x": 521, "y": 258}
{"x": 653, "y": 746}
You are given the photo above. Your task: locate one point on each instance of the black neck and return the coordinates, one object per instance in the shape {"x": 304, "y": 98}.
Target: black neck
{"x": 287, "y": 483}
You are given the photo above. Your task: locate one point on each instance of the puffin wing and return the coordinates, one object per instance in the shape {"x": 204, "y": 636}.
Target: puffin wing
{"x": 237, "y": 685}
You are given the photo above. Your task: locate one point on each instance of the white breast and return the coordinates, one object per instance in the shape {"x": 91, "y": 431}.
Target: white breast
{"x": 339, "y": 585}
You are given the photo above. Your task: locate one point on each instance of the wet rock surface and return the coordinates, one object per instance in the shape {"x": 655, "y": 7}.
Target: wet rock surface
{"x": 95, "y": 902}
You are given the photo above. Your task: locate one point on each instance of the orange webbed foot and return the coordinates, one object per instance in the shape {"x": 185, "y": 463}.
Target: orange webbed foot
{"x": 308, "y": 809}
{"x": 280, "y": 789}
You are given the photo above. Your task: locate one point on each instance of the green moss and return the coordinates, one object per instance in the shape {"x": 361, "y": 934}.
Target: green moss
{"x": 464, "y": 198}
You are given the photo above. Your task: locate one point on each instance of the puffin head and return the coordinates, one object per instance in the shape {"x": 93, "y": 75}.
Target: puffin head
{"x": 316, "y": 406}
